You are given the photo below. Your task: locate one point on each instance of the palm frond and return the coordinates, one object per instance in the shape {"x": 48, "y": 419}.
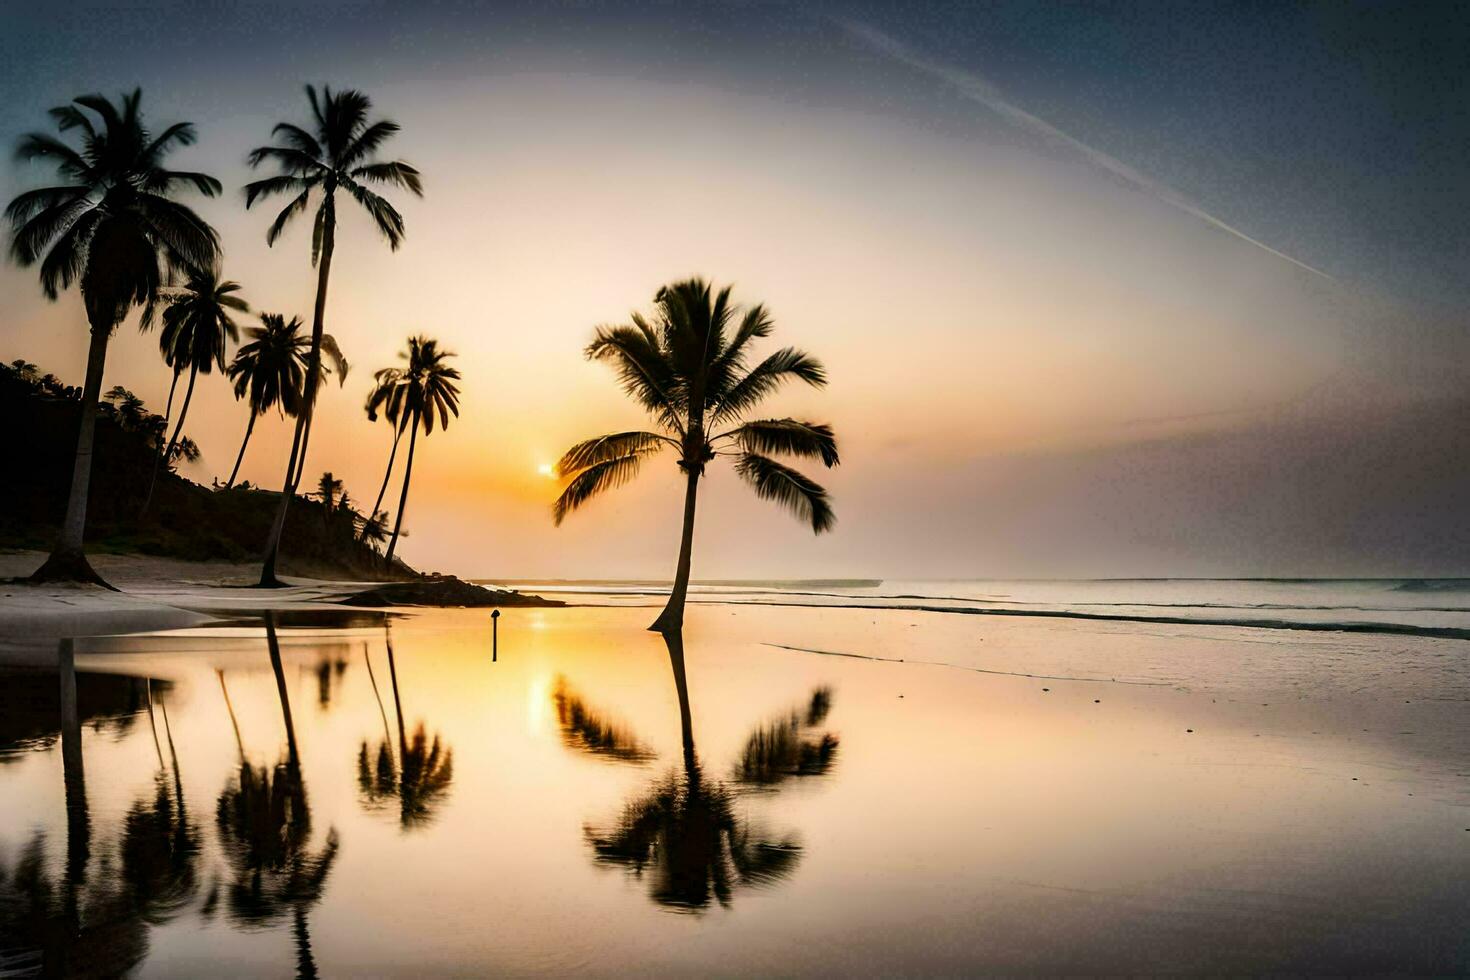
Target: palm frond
{"x": 271, "y": 186}
{"x": 613, "y": 446}
{"x": 367, "y": 142}
{"x": 40, "y": 146}
{"x": 288, "y": 158}
{"x": 798, "y": 494}
{"x": 765, "y": 378}
{"x": 45, "y": 227}
{"x": 642, "y": 370}
{"x": 184, "y": 134}
{"x": 384, "y": 215}
{"x": 396, "y": 172}
{"x": 595, "y": 479}
{"x": 160, "y": 181}
{"x": 298, "y": 138}
{"x": 789, "y": 437}
{"x": 290, "y": 211}
{"x": 188, "y": 240}
{"x": 339, "y": 361}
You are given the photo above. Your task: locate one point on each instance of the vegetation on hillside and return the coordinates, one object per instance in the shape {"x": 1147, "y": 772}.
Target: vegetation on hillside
{"x": 186, "y": 521}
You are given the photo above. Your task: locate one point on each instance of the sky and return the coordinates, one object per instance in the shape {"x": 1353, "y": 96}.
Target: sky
{"x": 1103, "y": 289}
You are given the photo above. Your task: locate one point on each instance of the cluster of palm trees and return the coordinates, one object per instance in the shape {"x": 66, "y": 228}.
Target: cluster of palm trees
{"x": 113, "y": 226}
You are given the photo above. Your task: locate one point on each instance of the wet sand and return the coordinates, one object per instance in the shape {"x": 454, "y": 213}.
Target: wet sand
{"x": 1149, "y": 799}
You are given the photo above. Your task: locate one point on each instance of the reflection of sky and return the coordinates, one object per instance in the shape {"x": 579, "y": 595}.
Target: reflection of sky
{"x": 979, "y": 291}
{"x": 984, "y": 821}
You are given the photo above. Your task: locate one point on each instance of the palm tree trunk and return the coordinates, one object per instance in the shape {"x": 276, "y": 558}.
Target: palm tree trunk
{"x": 303, "y": 422}
{"x": 78, "y": 824}
{"x": 152, "y": 722}
{"x": 397, "y": 702}
{"x": 249, "y": 428}
{"x": 274, "y": 645}
{"x": 168, "y": 413}
{"x": 387, "y": 474}
{"x": 388, "y": 738}
{"x": 403, "y": 497}
{"x": 674, "y": 640}
{"x": 67, "y": 562}
{"x": 173, "y": 439}
{"x": 239, "y": 742}
{"x": 301, "y": 456}
{"x": 672, "y": 618}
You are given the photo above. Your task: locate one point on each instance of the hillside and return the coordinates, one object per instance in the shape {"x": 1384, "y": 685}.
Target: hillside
{"x": 186, "y": 520}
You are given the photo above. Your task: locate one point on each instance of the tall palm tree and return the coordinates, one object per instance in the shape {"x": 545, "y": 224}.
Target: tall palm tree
{"x": 337, "y": 155}
{"x": 197, "y": 326}
{"x": 428, "y": 388}
{"x": 269, "y": 371}
{"x": 111, "y": 226}
{"x": 688, "y": 369}
{"x": 387, "y": 394}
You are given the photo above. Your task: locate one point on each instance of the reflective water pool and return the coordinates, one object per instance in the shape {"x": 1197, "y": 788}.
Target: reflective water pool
{"x": 378, "y": 795}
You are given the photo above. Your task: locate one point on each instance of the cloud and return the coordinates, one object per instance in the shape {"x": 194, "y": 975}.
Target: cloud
{"x": 977, "y": 89}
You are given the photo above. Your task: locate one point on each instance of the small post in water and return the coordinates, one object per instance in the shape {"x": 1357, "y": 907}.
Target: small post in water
{"x": 494, "y": 635}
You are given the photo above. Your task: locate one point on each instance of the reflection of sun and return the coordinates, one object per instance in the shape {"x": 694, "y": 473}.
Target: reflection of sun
{"x": 545, "y": 469}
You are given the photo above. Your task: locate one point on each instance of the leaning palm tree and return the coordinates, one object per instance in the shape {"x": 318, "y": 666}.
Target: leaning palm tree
{"x": 197, "y": 326}
{"x": 269, "y": 372}
{"x": 689, "y": 371}
{"x": 428, "y": 388}
{"x": 387, "y": 394}
{"x": 337, "y": 155}
{"x": 111, "y": 226}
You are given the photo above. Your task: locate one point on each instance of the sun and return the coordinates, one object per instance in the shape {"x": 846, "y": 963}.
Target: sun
{"x": 546, "y": 469}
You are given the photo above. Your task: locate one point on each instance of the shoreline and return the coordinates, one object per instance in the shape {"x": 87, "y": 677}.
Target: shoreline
{"x": 164, "y": 594}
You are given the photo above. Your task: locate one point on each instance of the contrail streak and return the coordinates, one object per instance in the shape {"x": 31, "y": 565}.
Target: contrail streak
{"x": 977, "y": 89}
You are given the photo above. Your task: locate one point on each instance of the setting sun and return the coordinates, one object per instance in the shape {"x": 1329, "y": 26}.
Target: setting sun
{"x": 546, "y": 469}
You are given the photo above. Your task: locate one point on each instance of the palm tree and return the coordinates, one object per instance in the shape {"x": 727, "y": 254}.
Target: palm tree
{"x": 338, "y": 155}
{"x": 269, "y": 371}
{"x": 112, "y": 227}
{"x": 328, "y": 488}
{"x": 427, "y": 387}
{"x": 196, "y": 327}
{"x": 387, "y": 394}
{"x": 689, "y": 371}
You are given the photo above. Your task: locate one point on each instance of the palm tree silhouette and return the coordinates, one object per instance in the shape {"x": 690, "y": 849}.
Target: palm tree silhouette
{"x": 387, "y": 394}
{"x": 196, "y": 328}
{"x": 337, "y": 156}
{"x": 329, "y": 489}
{"x": 689, "y": 372}
{"x": 112, "y": 227}
{"x": 269, "y": 371}
{"x": 427, "y": 387}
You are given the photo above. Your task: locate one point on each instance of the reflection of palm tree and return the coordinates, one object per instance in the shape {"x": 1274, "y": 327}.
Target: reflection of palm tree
{"x": 684, "y": 829}
{"x": 689, "y": 371}
{"x": 788, "y": 746}
{"x": 265, "y": 825}
{"x": 76, "y": 926}
{"x": 586, "y": 728}
{"x": 273, "y": 644}
{"x": 423, "y": 772}
{"x": 337, "y": 155}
